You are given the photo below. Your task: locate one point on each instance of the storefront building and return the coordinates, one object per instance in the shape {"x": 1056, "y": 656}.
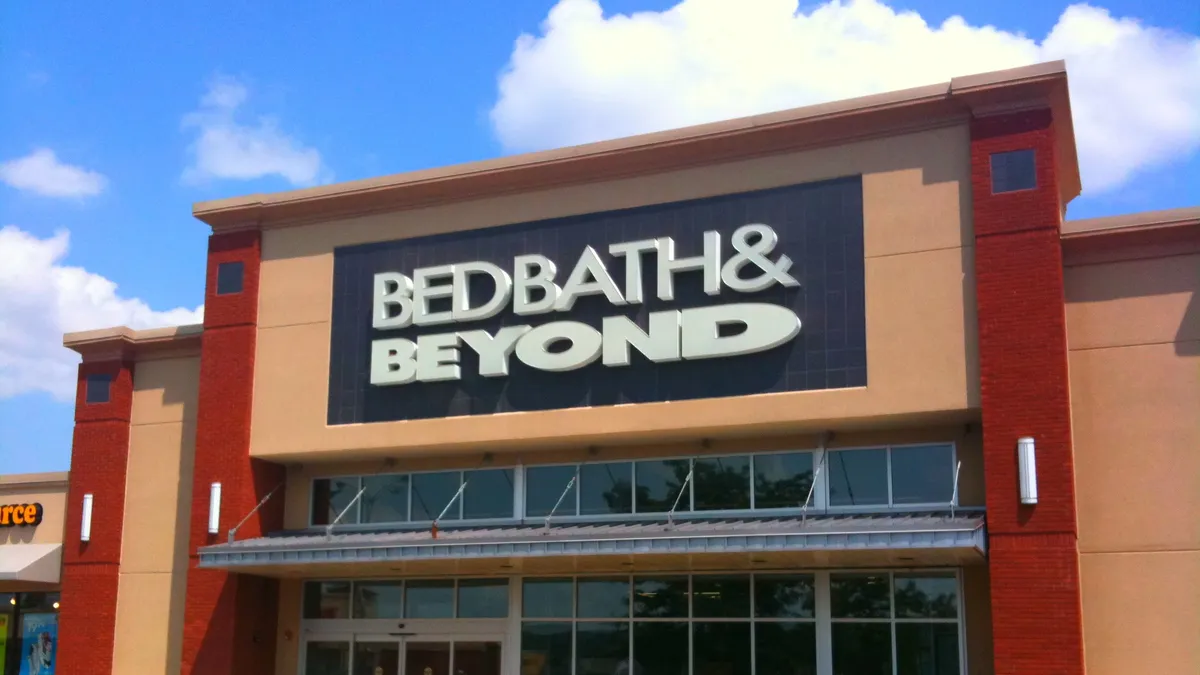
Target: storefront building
{"x": 831, "y": 390}
{"x": 32, "y": 507}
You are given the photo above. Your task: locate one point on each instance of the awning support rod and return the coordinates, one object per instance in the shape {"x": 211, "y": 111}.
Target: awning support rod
{"x": 682, "y": 488}
{"x": 954, "y": 495}
{"x": 561, "y": 497}
{"x": 233, "y": 532}
{"x": 434, "y": 528}
{"x": 329, "y": 527}
{"x": 825, "y": 438}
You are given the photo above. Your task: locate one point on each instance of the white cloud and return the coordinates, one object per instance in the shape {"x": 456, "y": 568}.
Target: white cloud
{"x": 41, "y": 173}
{"x": 1135, "y": 89}
{"x": 229, "y": 149}
{"x": 41, "y": 298}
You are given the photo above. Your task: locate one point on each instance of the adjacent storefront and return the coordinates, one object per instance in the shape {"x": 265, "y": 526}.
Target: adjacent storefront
{"x": 779, "y": 396}
{"x": 31, "y": 530}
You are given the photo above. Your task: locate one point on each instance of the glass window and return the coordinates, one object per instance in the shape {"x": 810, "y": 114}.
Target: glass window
{"x": 429, "y": 600}
{"x": 489, "y": 494}
{"x": 784, "y": 596}
{"x": 722, "y": 483}
{"x": 547, "y": 598}
{"x": 330, "y": 496}
{"x": 862, "y": 648}
{"x": 606, "y": 488}
{"x": 721, "y": 596}
{"x": 721, "y": 648}
{"x": 785, "y": 648}
{"x": 431, "y": 492}
{"x": 379, "y": 599}
{"x": 858, "y": 477}
{"x": 859, "y": 596}
{"x": 926, "y": 597}
{"x": 546, "y": 648}
{"x": 659, "y": 485}
{"x": 1012, "y": 171}
{"x": 327, "y": 600}
{"x": 544, "y": 485}
{"x": 327, "y": 658}
{"x": 229, "y": 277}
{"x": 601, "y": 648}
{"x": 477, "y": 658}
{"x": 660, "y": 597}
{"x": 97, "y": 388}
{"x": 603, "y": 598}
{"x": 482, "y": 598}
{"x": 922, "y": 474}
{"x": 783, "y": 480}
{"x": 659, "y": 648}
{"x": 385, "y": 499}
{"x": 927, "y": 649}
{"x": 372, "y": 658}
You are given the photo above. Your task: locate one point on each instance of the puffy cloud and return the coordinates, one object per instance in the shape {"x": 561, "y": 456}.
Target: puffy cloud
{"x": 41, "y": 173}
{"x": 1135, "y": 89}
{"x": 41, "y": 298}
{"x": 226, "y": 148}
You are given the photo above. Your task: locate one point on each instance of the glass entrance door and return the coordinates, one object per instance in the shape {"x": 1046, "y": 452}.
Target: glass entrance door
{"x": 364, "y": 654}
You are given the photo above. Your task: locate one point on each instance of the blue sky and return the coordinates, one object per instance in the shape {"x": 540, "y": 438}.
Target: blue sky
{"x": 115, "y": 117}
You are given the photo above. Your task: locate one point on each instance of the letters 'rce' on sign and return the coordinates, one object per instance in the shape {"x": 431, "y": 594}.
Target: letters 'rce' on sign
{"x": 20, "y": 515}
{"x": 400, "y": 301}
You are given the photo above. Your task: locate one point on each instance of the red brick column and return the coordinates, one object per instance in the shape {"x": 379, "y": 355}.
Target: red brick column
{"x": 229, "y": 619}
{"x": 1033, "y": 553}
{"x": 90, "y": 571}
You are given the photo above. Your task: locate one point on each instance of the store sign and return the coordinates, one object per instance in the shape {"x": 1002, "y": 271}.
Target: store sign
{"x": 532, "y": 288}
{"x": 20, "y": 515}
{"x": 741, "y": 294}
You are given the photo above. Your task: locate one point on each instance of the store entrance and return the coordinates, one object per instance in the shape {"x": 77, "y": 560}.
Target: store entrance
{"x": 414, "y": 654}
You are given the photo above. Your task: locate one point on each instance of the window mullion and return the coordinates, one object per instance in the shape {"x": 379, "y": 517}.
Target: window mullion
{"x": 824, "y": 626}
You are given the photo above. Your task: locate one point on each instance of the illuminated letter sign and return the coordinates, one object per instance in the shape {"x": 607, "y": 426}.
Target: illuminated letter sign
{"x": 20, "y": 515}
{"x": 400, "y": 301}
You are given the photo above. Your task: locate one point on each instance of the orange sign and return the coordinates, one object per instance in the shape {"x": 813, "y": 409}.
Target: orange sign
{"x": 20, "y": 515}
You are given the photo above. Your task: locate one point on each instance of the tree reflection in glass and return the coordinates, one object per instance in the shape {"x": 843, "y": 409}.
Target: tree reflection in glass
{"x": 782, "y": 480}
{"x": 784, "y": 596}
{"x": 606, "y": 488}
{"x": 601, "y": 648}
{"x": 722, "y": 483}
{"x": 659, "y": 483}
{"x": 660, "y": 597}
{"x": 924, "y": 596}
{"x": 859, "y": 596}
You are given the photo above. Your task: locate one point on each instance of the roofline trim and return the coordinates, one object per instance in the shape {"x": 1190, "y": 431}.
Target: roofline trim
{"x": 121, "y": 342}
{"x": 1044, "y": 83}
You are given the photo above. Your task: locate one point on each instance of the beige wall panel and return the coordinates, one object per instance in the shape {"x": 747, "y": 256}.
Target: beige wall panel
{"x": 287, "y": 640}
{"x": 52, "y": 497}
{"x": 977, "y": 610}
{"x": 142, "y": 638}
{"x": 157, "y": 497}
{"x": 967, "y": 445}
{"x": 915, "y": 199}
{"x": 1135, "y": 302}
{"x": 921, "y": 357}
{"x": 1136, "y": 435}
{"x": 1141, "y": 612}
{"x": 165, "y": 390}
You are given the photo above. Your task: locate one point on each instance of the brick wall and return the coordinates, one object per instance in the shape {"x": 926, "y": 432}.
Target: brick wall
{"x": 1033, "y": 550}
{"x": 99, "y": 456}
{"x": 229, "y": 619}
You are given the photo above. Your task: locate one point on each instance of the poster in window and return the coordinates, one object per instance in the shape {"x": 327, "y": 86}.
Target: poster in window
{"x": 3, "y": 638}
{"x": 39, "y": 643}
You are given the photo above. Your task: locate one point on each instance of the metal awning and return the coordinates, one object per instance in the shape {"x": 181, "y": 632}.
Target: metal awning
{"x": 692, "y": 536}
{"x": 34, "y": 563}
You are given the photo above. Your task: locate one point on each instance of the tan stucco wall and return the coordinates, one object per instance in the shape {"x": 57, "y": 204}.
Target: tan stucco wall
{"x": 288, "y": 638}
{"x": 158, "y": 489}
{"x": 966, "y": 442}
{"x": 49, "y": 490}
{"x": 920, "y": 307}
{"x": 1133, "y": 329}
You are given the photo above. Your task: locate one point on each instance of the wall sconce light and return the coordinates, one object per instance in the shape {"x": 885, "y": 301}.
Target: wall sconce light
{"x": 214, "y": 508}
{"x": 1027, "y": 468}
{"x": 85, "y": 526}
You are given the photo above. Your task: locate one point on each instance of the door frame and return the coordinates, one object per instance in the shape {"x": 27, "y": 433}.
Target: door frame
{"x": 431, "y": 634}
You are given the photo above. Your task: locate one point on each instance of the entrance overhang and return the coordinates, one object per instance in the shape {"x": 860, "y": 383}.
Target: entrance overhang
{"x": 741, "y": 543}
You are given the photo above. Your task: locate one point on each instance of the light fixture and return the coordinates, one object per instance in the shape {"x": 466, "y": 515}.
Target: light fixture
{"x": 85, "y": 526}
{"x": 55, "y": 604}
{"x": 1027, "y": 468}
{"x": 12, "y": 601}
{"x": 214, "y": 508}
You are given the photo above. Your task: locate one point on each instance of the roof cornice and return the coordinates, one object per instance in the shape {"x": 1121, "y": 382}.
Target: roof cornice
{"x": 125, "y": 344}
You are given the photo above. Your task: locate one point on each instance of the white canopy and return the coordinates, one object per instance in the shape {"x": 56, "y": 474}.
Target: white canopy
{"x": 39, "y": 563}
